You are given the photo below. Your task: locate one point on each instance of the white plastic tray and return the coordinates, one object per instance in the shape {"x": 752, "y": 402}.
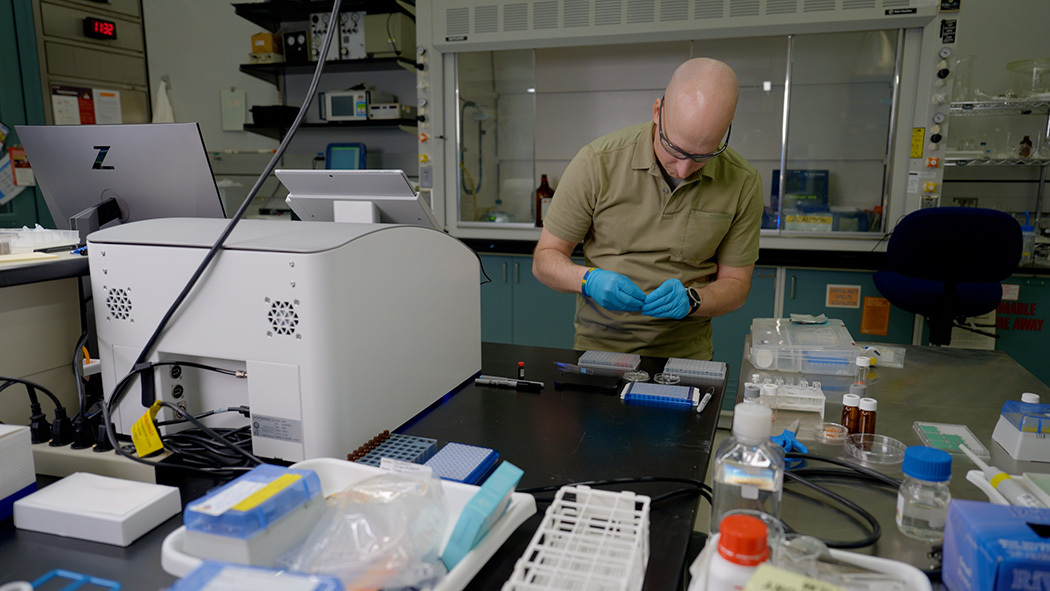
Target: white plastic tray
{"x": 913, "y": 578}
{"x": 336, "y": 475}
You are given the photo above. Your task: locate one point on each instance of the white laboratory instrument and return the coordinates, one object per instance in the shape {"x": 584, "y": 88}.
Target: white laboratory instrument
{"x": 1023, "y": 427}
{"x": 343, "y": 329}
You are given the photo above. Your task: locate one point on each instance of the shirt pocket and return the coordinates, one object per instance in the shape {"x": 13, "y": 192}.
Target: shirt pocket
{"x": 702, "y": 236}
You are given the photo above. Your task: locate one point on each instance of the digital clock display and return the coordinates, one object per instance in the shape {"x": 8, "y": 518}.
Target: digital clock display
{"x": 97, "y": 28}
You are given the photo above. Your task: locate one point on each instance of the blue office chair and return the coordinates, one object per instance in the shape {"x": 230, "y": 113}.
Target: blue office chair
{"x": 946, "y": 263}
{"x": 345, "y": 156}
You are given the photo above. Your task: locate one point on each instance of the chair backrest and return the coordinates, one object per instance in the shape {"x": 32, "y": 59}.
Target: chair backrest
{"x": 956, "y": 244}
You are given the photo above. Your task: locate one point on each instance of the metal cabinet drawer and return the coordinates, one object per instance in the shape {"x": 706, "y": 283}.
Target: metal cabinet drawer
{"x": 68, "y": 23}
{"x": 80, "y": 62}
{"x": 132, "y": 8}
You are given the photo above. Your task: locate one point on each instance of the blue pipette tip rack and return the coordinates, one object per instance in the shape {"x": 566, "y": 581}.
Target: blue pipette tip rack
{"x": 406, "y": 448}
{"x": 463, "y": 463}
{"x": 660, "y": 394}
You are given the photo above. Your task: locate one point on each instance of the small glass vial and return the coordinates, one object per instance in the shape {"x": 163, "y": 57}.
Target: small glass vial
{"x": 863, "y": 370}
{"x": 923, "y": 498}
{"x": 866, "y": 421}
{"x": 742, "y": 546}
{"x": 752, "y": 393}
{"x": 850, "y": 412}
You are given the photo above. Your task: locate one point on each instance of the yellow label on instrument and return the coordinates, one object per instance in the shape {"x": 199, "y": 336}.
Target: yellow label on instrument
{"x": 267, "y": 492}
{"x": 144, "y": 433}
{"x": 918, "y": 134}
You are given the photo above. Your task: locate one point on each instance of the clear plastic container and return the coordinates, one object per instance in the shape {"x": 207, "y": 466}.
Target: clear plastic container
{"x": 779, "y": 345}
{"x": 871, "y": 449}
{"x": 749, "y": 467}
{"x": 923, "y": 497}
{"x": 1030, "y": 78}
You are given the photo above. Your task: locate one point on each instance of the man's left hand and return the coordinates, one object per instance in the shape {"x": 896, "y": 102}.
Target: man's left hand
{"x": 670, "y": 300}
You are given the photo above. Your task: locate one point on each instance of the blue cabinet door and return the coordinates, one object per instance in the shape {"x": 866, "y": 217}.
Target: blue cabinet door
{"x": 1021, "y": 326}
{"x": 497, "y": 300}
{"x": 729, "y": 331}
{"x": 806, "y": 292}
{"x": 542, "y": 317}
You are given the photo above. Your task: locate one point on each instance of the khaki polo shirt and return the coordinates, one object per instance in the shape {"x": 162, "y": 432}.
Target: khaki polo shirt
{"x": 613, "y": 197}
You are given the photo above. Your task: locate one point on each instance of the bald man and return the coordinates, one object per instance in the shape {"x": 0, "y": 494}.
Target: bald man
{"x": 669, "y": 218}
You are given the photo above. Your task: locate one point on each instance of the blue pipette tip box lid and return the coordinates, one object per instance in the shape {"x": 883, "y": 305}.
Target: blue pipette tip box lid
{"x": 220, "y": 575}
{"x": 483, "y": 509}
{"x": 463, "y": 463}
{"x": 989, "y": 546}
{"x": 252, "y": 502}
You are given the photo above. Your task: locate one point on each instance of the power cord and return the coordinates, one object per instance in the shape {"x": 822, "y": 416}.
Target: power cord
{"x": 40, "y": 430}
{"x": 852, "y": 472}
{"x": 696, "y": 487}
{"x": 147, "y": 349}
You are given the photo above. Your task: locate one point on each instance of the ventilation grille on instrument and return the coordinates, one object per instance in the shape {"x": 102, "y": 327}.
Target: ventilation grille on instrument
{"x": 118, "y": 302}
{"x": 283, "y": 317}
{"x": 488, "y": 20}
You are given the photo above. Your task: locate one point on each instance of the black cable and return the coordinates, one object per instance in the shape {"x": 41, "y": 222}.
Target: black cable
{"x": 240, "y": 409}
{"x": 118, "y": 393}
{"x": 846, "y": 464}
{"x": 30, "y": 386}
{"x": 212, "y": 433}
{"x": 876, "y": 528}
{"x": 614, "y": 481}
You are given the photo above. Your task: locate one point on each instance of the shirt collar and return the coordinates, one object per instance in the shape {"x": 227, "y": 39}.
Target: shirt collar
{"x": 645, "y": 159}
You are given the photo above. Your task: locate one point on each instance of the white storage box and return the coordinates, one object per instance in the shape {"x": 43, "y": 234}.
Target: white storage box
{"x": 97, "y": 508}
{"x": 779, "y": 345}
{"x": 17, "y": 472}
{"x": 336, "y": 475}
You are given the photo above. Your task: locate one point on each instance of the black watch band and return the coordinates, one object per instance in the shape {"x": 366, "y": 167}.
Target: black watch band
{"x": 694, "y": 300}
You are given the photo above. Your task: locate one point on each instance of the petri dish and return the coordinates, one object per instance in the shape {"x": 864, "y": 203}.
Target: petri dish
{"x": 669, "y": 379}
{"x": 636, "y": 375}
{"x": 874, "y": 449}
{"x": 830, "y": 433}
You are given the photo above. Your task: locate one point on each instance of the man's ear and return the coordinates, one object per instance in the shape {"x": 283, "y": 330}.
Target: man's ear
{"x": 656, "y": 110}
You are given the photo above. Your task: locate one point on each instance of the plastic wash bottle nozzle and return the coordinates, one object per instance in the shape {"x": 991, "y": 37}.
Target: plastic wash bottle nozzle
{"x": 1014, "y": 493}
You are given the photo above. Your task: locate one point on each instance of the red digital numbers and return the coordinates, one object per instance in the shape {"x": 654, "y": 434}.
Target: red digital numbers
{"x": 100, "y": 29}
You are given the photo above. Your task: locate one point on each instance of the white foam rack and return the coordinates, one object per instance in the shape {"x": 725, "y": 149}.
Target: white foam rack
{"x": 588, "y": 539}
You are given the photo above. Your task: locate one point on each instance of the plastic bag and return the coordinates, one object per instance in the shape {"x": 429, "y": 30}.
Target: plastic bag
{"x": 382, "y": 532}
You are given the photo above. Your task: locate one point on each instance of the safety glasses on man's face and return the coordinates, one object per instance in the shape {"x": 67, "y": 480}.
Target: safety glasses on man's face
{"x": 681, "y": 154}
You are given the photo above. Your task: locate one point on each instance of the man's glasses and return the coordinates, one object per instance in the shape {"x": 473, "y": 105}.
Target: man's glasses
{"x": 681, "y": 154}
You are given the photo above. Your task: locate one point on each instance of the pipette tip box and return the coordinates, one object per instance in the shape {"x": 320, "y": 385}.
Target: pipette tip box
{"x": 483, "y": 509}
{"x": 696, "y": 372}
{"x": 405, "y": 448}
{"x": 1022, "y": 430}
{"x": 660, "y": 394}
{"x": 256, "y": 517}
{"x": 463, "y": 463}
{"x": 608, "y": 362}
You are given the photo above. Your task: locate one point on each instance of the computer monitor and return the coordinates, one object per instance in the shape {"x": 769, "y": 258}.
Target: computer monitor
{"x": 338, "y": 196}
{"x": 93, "y": 176}
{"x": 345, "y": 156}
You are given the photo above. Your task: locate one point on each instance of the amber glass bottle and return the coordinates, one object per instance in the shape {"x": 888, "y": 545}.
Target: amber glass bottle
{"x": 544, "y": 194}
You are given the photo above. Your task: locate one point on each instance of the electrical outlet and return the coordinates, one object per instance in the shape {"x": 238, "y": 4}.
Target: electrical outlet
{"x": 928, "y": 201}
{"x": 63, "y": 461}
{"x": 964, "y": 201}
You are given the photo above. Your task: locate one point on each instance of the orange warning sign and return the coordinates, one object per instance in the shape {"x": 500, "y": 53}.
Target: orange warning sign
{"x": 875, "y": 319}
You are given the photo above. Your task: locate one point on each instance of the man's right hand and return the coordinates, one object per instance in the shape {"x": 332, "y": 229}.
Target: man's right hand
{"x": 613, "y": 291}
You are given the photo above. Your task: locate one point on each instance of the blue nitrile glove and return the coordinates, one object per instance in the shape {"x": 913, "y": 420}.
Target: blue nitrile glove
{"x": 787, "y": 441}
{"x": 670, "y": 300}
{"x": 612, "y": 290}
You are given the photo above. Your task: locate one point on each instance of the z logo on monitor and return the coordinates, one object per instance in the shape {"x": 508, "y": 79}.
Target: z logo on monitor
{"x": 102, "y": 151}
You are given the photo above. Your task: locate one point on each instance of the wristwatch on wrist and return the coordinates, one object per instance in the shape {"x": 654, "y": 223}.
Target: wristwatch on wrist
{"x": 694, "y": 300}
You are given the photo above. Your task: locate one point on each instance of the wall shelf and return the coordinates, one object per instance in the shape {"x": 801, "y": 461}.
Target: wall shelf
{"x": 270, "y": 15}
{"x": 1001, "y": 107}
{"x": 408, "y": 125}
{"x": 272, "y": 73}
{"x": 971, "y": 161}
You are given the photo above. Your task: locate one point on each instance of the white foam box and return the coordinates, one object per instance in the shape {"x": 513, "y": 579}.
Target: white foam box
{"x": 17, "y": 472}
{"x": 97, "y": 508}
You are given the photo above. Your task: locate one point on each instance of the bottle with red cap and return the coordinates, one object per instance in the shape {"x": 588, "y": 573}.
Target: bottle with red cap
{"x": 742, "y": 546}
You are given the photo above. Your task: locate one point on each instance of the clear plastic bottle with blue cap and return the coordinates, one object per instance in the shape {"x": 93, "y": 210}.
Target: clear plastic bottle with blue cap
{"x": 923, "y": 497}
{"x": 1028, "y": 234}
